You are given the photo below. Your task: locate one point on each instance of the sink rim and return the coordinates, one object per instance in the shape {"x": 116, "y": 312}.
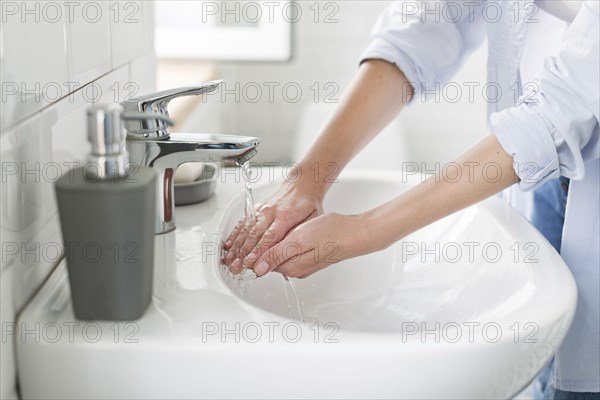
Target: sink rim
{"x": 523, "y": 232}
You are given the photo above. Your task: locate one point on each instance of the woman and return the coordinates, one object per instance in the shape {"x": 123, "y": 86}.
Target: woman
{"x": 551, "y": 133}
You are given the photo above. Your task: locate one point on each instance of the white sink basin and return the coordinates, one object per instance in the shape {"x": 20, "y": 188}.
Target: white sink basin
{"x": 387, "y": 325}
{"x": 470, "y": 307}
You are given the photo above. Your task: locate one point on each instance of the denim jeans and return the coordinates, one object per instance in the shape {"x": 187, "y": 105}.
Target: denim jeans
{"x": 548, "y": 216}
{"x": 551, "y": 393}
{"x": 549, "y": 204}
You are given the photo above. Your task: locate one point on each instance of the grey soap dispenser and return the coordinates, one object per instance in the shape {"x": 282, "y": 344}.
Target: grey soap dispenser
{"x": 106, "y": 213}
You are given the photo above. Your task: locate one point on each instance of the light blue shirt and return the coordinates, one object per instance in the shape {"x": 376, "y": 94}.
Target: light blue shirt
{"x": 550, "y": 131}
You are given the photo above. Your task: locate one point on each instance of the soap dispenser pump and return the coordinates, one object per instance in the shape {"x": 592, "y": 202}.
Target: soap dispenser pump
{"x": 106, "y": 210}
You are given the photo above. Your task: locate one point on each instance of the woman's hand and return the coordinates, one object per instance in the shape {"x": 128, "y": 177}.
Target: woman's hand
{"x": 289, "y": 206}
{"x": 331, "y": 238}
{"x": 373, "y": 99}
{"x": 316, "y": 244}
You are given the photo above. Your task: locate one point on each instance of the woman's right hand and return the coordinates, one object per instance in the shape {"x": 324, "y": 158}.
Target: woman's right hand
{"x": 289, "y": 206}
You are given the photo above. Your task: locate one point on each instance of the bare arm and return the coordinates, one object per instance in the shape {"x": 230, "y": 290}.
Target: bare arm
{"x": 484, "y": 170}
{"x": 374, "y": 98}
{"x": 372, "y": 101}
{"x": 382, "y": 226}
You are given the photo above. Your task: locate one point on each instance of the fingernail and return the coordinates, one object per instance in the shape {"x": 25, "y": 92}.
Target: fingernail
{"x": 251, "y": 258}
{"x": 228, "y": 244}
{"x": 236, "y": 271}
{"x": 237, "y": 263}
{"x": 261, "y": 268}
{"x": 229, "y": 257}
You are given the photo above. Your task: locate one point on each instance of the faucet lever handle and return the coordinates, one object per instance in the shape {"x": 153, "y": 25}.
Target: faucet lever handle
{"x": 158, "y": 103}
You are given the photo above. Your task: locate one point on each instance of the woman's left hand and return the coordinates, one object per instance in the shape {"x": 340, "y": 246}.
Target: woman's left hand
{"x": 316, "y": 244}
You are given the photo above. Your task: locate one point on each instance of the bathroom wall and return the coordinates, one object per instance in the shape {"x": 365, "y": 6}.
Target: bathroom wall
{"x": 326, "y": 50}
{"x": 57, "y": 59}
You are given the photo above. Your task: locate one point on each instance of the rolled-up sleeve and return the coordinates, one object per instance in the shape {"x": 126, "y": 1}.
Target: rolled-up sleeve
{"x": 427, "y": 40}
{"x": 554, "y": 130}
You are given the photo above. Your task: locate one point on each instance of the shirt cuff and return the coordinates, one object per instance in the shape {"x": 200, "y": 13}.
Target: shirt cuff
{"x": 528, "y": 138}
{"x": 381, "y": 49}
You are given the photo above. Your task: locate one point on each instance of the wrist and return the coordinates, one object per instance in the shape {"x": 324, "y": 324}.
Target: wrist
{"x": 380, "y": 229}
{"x": 305, "y": 179}
{"x": 301, "y": 191}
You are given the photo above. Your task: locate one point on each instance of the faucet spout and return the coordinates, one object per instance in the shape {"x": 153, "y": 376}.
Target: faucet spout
{"x": 186, "y": 147}
{"x": 167, "y": 154}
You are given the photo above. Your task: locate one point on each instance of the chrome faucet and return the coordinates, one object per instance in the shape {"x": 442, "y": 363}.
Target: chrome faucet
{"x": 150, "y": 144}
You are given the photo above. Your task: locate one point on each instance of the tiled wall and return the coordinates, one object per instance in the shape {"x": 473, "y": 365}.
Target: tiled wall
{"x": 57, "y": 58}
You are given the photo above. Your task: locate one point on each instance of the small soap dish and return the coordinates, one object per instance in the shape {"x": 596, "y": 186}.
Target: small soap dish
{"x": 199, "y": 190}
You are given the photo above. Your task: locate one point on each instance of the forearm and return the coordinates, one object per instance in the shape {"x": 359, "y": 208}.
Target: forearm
{"x": 374, "y": 98}
{"x": 484, "y": 170}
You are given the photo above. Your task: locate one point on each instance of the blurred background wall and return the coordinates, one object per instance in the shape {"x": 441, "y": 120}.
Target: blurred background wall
{"x": 324, "y": 57}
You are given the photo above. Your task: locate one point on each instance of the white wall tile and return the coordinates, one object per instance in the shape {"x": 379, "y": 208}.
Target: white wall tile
{"x": 66, "y": 140}
{"x": 34, "y": 155}
{"x": 33, "y": 71}
{"x": 30, "y": 245}
{"x": 129, "y": 35}
{"x": 45, "y": 144}
{"x": 88, "y": 41}
{"x": 142, "y": 75}
{"x": 22, "y": 207}
{"x": 67, "y": 126}
{"x": 31, "y": 235}
{"x": 114, "y": 85}
{"x": 20, "y": 278}
{"x": 41, "y": 136}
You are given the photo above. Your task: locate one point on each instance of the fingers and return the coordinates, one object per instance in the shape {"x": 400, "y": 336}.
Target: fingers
{"x": 236, "y": 230}
{"x": 276, "y": 233}
{"x": 243, "y": 246}
{"x": 300, "y": 266}
{"x": 247, "y": 233}
{"x": 288, "y": 251}
{"x": 234, "y": 255}
{"x": 237, "y": 269}
{"x": 251, "y": 239}
{"x": 228, "y": 247}
{"x": 273, "y": 235}
{"x": 240, "y": 227}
